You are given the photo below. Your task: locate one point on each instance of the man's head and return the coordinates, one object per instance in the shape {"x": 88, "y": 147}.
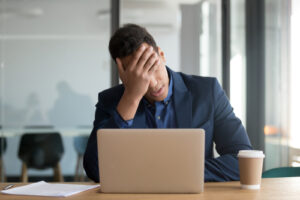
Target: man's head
{"x": 125, "y": 43}
{"x": 128, "y": 39}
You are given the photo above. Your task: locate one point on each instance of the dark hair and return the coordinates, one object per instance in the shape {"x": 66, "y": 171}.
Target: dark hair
{"x": 127, "y": 39}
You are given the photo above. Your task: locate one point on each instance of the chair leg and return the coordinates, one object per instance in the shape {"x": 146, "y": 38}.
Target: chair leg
{"x": 4, "y": 174}
{"x": 2, "y": 171}
{"x": 57, "y": 173}
{"x": 24, "y": 177}
{"x": 81, "y": 172}
{"x": 76, "y": 178}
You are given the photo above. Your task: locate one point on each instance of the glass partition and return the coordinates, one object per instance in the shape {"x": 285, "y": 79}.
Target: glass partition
{"x": 277, "y": 86}
{"x": 54, "y": 60}
{"x": 238, "y": 58}
{"x": 188, "y": 31}
{"x": 294, "y": 81}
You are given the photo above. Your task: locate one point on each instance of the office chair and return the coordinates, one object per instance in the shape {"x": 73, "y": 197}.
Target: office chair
{"x": 3, "y": 145}
{"x": 80, "y": 143}
{"x": 282, "y": 172}
{"x": 41, "y": 151}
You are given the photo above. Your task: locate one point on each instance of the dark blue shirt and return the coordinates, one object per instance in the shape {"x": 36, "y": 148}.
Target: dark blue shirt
{"x": 159, "y": 115}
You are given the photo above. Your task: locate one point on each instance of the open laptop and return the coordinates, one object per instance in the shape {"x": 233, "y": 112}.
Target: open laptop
{"x": 151, "y": 160}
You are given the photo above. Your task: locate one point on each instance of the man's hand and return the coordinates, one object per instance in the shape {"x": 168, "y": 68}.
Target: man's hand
{"x": 136, "y": 77}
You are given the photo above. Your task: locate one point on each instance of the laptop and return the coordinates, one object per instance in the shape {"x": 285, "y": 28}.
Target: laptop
{"x": 151, "y": 160}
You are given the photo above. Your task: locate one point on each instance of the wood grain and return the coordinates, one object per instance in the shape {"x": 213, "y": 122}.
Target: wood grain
{"x": 271, "y": 188}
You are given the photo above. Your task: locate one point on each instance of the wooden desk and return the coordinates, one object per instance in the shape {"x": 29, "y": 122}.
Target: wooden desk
{"x": 272, "y": 188}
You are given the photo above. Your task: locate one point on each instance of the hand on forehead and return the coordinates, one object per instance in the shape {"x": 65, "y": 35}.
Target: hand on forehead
{"x": 138, "y": 53}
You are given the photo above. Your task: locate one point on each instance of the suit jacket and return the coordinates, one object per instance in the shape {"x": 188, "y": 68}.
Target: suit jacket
{"x": 199, "y": 102}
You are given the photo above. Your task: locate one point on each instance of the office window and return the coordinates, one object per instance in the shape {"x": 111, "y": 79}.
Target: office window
{"x": 187, "y": 31}
{"x": 237, "y": 61}
{"x": 294, "y": 86}
{"x": 161, "y": 19}
{"x": 210, "y": 39}
{"x": 282, "y": 83}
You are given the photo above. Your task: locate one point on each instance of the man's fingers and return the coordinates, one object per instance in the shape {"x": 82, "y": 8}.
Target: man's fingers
{"x": 144, "y": 58}
{"x": 136, "y": 57}
{"x": 120, "y": 67}
{"x": 154, "y": 67}
{"x": 153, "y": 58}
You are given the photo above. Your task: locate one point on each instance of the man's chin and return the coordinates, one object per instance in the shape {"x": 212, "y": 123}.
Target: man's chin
{"x": 158, "y": 99}
{"x": 152, "y": 98}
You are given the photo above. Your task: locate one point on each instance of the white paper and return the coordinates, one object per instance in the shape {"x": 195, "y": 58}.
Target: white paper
{"x": 49, "y": 189}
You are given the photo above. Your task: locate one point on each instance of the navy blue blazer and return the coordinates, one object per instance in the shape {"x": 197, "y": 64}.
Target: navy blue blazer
{"x": 199, "y": 102}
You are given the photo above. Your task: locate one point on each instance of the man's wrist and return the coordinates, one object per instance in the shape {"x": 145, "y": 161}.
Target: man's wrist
{"x": 132, "y": 99}
{"x": 127, "y": 106}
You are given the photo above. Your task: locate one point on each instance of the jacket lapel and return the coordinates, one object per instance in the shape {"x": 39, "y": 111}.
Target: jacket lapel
{"x": 182, "y": 102}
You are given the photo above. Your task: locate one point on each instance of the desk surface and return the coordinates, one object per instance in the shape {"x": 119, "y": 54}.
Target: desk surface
{"x": 271, "y": 188}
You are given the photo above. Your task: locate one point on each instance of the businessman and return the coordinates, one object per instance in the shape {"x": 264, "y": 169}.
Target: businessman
{"x": 154, "y": 96}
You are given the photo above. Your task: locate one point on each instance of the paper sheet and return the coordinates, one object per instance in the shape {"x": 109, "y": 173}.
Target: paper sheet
{"x": 49, "y": 189}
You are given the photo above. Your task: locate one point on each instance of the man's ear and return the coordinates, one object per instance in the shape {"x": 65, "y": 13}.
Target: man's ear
{"x": 161, "y": 54}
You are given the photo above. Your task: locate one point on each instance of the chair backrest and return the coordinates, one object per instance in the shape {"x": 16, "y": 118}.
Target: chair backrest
{"x": 41, "y": 150}
{"x": 282, "y": 172}
{"x": 80, "y": 143}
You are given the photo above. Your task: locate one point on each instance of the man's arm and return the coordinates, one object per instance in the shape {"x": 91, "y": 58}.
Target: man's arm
{"x": 230, "y": 137}
{"x": 103, "y": 119}
{"x": 136, "y": 76}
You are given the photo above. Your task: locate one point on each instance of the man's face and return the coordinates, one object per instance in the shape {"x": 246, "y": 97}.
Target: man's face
{"x": 159, "y": 84}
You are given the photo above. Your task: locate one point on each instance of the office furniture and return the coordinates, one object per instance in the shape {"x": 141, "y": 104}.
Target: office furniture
{"x": 41, "y": 151}
{"x": 3, "y": 145}
{"x": 80, "y": 143}
{"x": 282, "y": 172}
{"x": 13, "y": 136}
{"x": 66, "y": 132}
{"x": 271, "y": 188}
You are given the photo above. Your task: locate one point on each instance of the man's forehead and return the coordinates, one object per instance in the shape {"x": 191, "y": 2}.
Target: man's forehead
{"x": 125, "y": 60}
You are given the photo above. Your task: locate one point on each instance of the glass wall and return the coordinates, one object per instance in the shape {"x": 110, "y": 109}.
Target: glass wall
{"x": 281, "y": 82}
{"x": 238, "y": 58}
{"x": 211, "y": 39}
{"x": 189, "y": 32}
{"x": 281, "y": 72}
{"x": 294, "y": 82}
{"x": 162, "y": 19}
{"x": 277, "y": 85}
{"x": 54, "y": 61}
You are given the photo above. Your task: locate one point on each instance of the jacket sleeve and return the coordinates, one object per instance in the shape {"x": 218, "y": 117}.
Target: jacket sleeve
{"x": 104, "y": 118}
{"x": 229, "y": 136}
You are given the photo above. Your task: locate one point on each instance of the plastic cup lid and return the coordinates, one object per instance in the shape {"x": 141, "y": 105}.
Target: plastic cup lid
{"x": 251, "y": 154}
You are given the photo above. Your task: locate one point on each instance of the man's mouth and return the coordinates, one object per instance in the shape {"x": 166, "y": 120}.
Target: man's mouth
{"x": 158, "y": 92}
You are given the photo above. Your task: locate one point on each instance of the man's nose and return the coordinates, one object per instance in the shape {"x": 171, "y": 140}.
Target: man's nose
{"x": 153, "y": 82}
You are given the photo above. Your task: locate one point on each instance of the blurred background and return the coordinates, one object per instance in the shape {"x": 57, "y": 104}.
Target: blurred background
{"x": 54, "y": 60}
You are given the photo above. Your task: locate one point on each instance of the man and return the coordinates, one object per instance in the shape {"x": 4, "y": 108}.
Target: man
{"x": 153, "y": 96}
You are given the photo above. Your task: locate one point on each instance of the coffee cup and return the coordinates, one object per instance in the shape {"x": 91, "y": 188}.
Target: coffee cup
{"x": 250, "y": 164}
